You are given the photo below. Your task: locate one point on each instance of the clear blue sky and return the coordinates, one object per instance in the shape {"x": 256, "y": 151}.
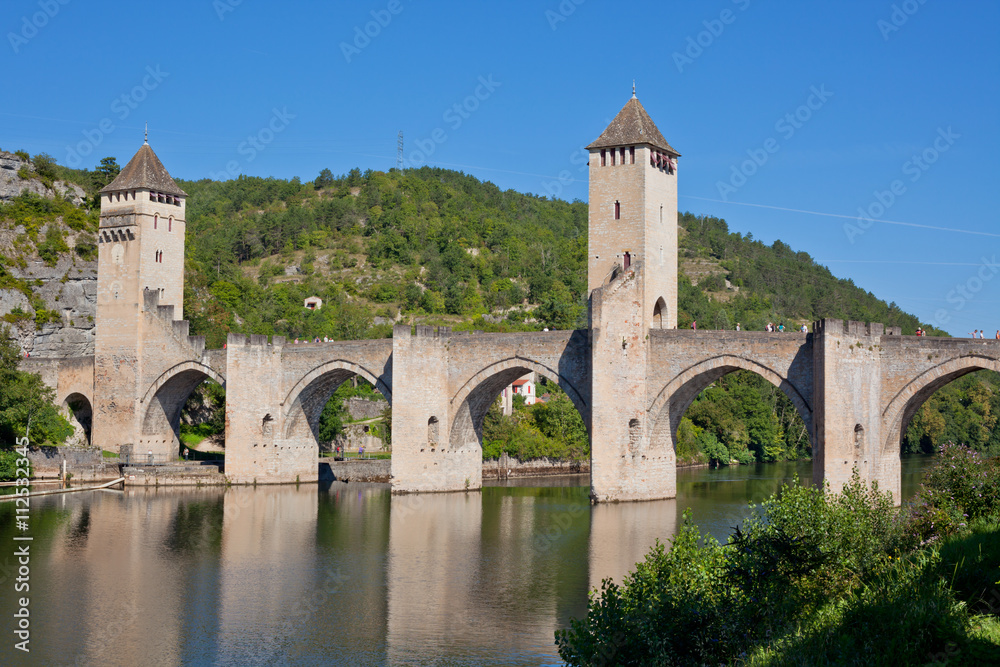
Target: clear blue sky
{"x": 895, "y": 80}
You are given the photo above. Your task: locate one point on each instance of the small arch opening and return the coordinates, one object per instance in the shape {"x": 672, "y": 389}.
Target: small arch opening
{"x": 433, "y": 432}
{"x": 79, "y": 412}
{"x": 634, "y": 435}
{"x": 660, "y": 314}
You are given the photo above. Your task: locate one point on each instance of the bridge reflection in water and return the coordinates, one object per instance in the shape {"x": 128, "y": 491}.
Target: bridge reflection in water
{"x": 342, "y": 574}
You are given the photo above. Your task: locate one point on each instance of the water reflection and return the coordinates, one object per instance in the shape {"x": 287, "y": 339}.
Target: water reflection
{"x": 343, "y": 573}
{"x": 622, "y": 534}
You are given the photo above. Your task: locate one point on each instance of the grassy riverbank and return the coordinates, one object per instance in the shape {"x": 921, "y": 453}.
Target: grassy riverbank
{"x": 818, "y": 579}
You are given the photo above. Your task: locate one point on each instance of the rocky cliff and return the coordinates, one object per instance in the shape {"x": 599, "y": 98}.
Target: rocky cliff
{"x": 65, "y": 286}
{"x": 70, "y": 290}
{"x": 12, "y": 184}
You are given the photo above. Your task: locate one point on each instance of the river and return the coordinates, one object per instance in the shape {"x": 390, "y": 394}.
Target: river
{"x": 343, "y": 574}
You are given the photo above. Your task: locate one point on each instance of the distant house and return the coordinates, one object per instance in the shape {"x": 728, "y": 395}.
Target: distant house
{"x": 521, "y": 387}
{"x": 314, "y": 303}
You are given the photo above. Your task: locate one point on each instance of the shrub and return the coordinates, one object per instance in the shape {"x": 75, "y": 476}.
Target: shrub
{"x": 963, "y": 486}
{"x": 716, "y": 452}
{"x": 712, "y": 283}
{"x": 673, "y": 609}
{"x": 54, "y": 244}
{"x": 383, "y": 292}
{"x": 8, "y": 466}
{"x": 970, "y": 563}
{"x": 901, "y": 617}
{"x": 86, "y": 247}
{"x": 702, "y": 603}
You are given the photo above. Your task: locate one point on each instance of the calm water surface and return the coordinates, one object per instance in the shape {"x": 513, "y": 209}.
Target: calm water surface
{"x": 341, "y": 574}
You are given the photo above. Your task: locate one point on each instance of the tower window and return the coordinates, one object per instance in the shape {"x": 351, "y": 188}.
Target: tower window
{"x": 618, "y": 211}
{"x": 156, "y": 220}
{"x": 604, "y": 158}
{"x": 170, "y": 225}
{"x": 152, "y": 196}
{"x": 614, "y": 156}
{"x": 631, "y": 154}
{"x": 622, "y": 149}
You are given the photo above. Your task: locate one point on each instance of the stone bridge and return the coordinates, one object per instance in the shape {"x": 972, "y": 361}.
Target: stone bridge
{"x": 855, "y": 385}
{"x": 630, "y": 373}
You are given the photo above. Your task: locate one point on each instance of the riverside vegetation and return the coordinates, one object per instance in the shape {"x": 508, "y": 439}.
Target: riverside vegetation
{"x": 813, "y": 578}
{"x": 26, "y": 408}
{"x": 436, "y": 246}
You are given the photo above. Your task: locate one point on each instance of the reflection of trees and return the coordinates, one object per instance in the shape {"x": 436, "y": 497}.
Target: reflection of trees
{"x": 196, "y": 527}
{"x": 547, "y": 527}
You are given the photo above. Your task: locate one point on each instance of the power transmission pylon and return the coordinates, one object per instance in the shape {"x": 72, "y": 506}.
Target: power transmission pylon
{"x": 399, "y": 152}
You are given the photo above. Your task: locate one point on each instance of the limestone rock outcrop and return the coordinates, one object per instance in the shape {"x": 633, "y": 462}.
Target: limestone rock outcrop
{"x": 11, "y": 183}
{"x": 68, "y": 288}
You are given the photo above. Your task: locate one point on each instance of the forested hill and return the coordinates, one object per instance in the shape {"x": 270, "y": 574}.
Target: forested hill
{"x": 439, "y": 246}
{"x": 743, "y": 280}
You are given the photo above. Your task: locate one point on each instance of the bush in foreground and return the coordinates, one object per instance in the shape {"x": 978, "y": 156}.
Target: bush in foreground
{"x": 812, "y": 578}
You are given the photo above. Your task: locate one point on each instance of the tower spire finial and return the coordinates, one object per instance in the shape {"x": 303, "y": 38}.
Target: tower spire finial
{"x": 633, "y": 87}
{"x": 145, "y": 139}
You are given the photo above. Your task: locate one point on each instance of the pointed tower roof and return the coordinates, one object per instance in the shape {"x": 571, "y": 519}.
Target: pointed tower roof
{"x": 632, "y": 126}
{"x": 144, "y": 172}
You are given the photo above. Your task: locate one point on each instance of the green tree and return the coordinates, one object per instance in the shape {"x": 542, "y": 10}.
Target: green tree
{"x": 26, "y": 403}
{"x": 105, "y": 172}
{"x": 559, "y": 310}
{"x": 324, "y": 180}
{"x": 45, "y": 166}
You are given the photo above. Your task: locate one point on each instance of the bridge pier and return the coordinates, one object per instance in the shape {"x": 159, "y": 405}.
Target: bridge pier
{"x": 627, "y": 461}
{"x": 424, "y": 457}
{"x": 258, "y": 449}
{"x": 847, "y": 362}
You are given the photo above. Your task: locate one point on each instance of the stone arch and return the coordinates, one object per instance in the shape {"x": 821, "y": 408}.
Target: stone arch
{"x": 181, "y": 368}
{"x": 676, "y": 397}
{"x": 304, "y": 403}
{"x": 78, "y": 408}
{"x": 904, "y": 405}
{"x": 162, "y": 403}
{"x": 474, "y": 398}
{"x": 660, "y": 314}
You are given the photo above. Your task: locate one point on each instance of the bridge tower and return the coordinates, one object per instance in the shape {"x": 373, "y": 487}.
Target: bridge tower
{"x": 632, "y": 282}
{"x": 140, "y": 265}
{"x": 633, "y": 211}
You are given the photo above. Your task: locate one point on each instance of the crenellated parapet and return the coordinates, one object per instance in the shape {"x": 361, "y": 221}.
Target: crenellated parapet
{"x": 855, "y": 328}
